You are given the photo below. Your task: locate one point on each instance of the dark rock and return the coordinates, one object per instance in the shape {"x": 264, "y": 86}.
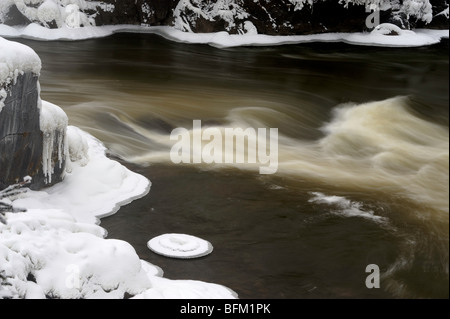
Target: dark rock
{"x": 155, "y": 12}
{"x": 280, "y": 18}
{"x": 440, "y": 21}
{"x": 21, "y": 139}
{"x": 14, "y": 17}
{"x": 149, "y": 12}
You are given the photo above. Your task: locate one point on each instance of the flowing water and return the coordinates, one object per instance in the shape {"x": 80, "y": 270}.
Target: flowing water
{"x": 363, "y": 168}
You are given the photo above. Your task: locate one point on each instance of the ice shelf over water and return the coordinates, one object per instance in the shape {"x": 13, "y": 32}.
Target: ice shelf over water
{"x": 405, "y": 38}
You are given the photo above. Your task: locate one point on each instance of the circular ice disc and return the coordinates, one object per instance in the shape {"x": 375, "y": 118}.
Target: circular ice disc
{"x": 180, "y": 246}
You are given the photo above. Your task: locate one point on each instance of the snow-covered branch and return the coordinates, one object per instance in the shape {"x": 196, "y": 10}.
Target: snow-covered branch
{"x": 9, "y": 192}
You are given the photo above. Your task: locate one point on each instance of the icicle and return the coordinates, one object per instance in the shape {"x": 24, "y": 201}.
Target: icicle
{"x": 53, "y": 124}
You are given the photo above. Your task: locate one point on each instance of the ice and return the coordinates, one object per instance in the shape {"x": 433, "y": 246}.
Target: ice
{"x": 180, "y": 246}
{"x": 67, "y": 259}
{"x": 419, "y": 37}
{"x": 416, "y": 38}
{"x": 78, "y": 147}
{"x": 53, "y": 124}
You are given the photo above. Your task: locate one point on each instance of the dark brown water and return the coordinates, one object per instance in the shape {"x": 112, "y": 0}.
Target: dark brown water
{"x": 275, "y": 236}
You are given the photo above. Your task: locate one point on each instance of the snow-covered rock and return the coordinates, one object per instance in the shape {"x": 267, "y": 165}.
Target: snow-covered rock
{"x": 16, "y": 59}
{"x": 32, "y": 132}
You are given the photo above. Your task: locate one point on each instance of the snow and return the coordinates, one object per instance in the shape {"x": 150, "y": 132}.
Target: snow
{"x": 180, "y": 246}
{"x": 420, "y": 37}
{"x": 93, "y": 188}
{"x": 416, "y": 38}
{"x": 15, "y": 59}
{"x": 37, "y": 32}
{"x": 68, "y": 259}
{"x": 164, "y": 288}
{"x": 4, "y": 8}
{"x": 49, "y": 11}
{"x": 299, "y": 4}
{"x": 62, "y": 12}
{"x": 56, "y": 250}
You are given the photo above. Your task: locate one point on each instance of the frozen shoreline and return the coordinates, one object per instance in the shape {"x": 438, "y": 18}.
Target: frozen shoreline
{"x": 57, "y": 250}
{"x": 416, "y": 38}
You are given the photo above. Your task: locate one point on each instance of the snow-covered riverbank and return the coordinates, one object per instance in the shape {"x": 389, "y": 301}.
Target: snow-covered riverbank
{"x": 378, "y": 37}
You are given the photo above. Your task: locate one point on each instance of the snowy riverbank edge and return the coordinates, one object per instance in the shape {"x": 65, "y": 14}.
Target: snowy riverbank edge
{"x": 57, "y": 250}
{"x": 416, "y": 38}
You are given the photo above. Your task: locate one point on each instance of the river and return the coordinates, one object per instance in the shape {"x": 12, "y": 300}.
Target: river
{"x": 363, "y": 159}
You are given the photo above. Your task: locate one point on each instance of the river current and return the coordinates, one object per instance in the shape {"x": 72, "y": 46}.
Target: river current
{"x": 363, "y": 158}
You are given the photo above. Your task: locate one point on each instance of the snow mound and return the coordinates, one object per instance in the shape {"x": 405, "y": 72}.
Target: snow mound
{"x": 388, "y": 29}
{"x": 164, "y": 288}
{"x": 47, "y": 254}
{"x": 249, "y": 36}
{"x": 180, "y": 246}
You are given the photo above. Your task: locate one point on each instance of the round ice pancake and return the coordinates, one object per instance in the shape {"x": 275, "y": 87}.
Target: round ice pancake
{"x": 180, "y": 246}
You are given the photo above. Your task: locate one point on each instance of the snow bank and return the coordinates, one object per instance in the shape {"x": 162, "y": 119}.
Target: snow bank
{"x": 419, "y": 37}
{"x": 56, "y": 250}
{"x": 94, "y": 187}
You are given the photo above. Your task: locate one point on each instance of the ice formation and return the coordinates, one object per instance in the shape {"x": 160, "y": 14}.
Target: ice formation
{"x": 53, "y": 123}
{"x": 180, "y": 246}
